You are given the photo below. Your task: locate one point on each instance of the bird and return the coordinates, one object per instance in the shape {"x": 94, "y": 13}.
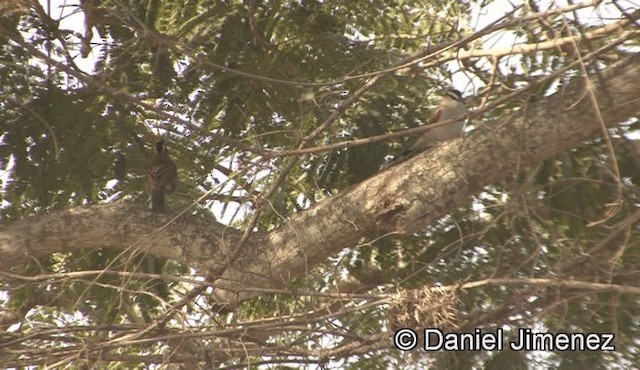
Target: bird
{"x": 162, "y": 176}
{"x": 120, "y": 167}
{"x": 451, "y": 106}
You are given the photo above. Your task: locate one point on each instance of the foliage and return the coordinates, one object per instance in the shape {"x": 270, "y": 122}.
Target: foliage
{"x": 226, "y": 79}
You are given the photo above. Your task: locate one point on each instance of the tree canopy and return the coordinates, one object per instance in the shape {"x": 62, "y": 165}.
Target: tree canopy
{"x": 291, "y": 241}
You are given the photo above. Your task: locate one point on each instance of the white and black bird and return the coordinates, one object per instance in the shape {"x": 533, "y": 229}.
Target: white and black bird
{"x": 451, "y": 106}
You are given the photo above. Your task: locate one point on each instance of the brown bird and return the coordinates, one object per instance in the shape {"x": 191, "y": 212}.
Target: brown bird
{"x": 162, "y": 176}
{"x": 451, "y": 106}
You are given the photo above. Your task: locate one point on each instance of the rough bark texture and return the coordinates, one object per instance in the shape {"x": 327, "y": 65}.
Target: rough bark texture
{"x": 402, "y": 199}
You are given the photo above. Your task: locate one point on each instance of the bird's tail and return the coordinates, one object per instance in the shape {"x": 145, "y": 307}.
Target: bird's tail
{"x": 157, "y": 200}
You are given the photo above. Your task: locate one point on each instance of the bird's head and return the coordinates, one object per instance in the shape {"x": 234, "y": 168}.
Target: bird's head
{"x": 454, "y": 94}
{"x": 160, "y": 147}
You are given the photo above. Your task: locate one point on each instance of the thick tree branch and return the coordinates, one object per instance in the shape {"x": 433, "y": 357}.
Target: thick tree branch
{"x": 402, "y": 199}
{"x": 189, "y": 239}
{"x": 411, "y": 196}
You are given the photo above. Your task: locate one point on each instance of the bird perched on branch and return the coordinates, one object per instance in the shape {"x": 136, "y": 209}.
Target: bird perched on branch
{"x": 162, "y": 176}
{"x": 451, "y": 106}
